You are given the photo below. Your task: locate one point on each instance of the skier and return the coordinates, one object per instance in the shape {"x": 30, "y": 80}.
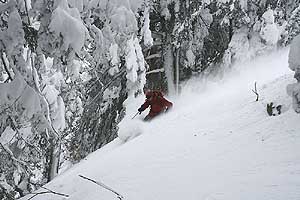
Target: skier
{"x": 157, "y": 103}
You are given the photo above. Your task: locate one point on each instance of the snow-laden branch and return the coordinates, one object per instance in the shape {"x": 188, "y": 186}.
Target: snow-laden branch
{"x": 156, "y": 71}
{"x": 6, "y": 68}
{"x": 13, "y": 103}
{"x": 26, "y": 9}
{"x": 19, "y": 135}
{"x": 157, "y": 55}
{"x": 12, "y": 157}
{"x": 3, "y": 8}
{"x": 121, "y": 73}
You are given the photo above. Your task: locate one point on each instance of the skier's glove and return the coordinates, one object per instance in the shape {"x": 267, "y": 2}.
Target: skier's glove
{"x": 140, "y": 111}
{"x": 167, "y": 109}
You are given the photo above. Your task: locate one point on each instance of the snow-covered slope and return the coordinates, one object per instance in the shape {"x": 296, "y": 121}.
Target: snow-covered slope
{"x": 216, "y": 144}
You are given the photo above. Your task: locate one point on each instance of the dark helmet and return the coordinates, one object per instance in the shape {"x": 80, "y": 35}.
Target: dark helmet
{"x": 153, "y": 93}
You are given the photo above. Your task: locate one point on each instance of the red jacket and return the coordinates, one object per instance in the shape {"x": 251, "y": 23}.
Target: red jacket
{"x": 157, "y": 103}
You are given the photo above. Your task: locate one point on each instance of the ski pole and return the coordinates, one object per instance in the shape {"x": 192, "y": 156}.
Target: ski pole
{"x": 135, "y": 115}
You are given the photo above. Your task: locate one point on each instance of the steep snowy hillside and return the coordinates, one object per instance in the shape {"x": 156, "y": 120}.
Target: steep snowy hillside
{"x": 216, "y": 144}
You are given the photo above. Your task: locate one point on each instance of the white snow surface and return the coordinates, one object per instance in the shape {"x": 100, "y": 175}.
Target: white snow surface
{"x": 216, "y": 144}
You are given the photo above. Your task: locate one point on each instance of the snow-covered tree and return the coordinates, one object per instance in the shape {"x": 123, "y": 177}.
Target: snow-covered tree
{"x": 255, "y": 32}
{"x": 179, "y": 29}
{"x": 293, "y": 26}
{"x": 116, "y": 70}
{"x": 269, "y": 31}
{"x": 225, "y": 31}
{"x": 67, "y": 66}
{"x": 190, "y": 33}
{"x": 39, "y": 41}
{"x": 294, "y": 64}
{"x": 26, "y": 127}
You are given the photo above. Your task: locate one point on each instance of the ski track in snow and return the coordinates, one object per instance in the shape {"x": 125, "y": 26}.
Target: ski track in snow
{"x": 215, "y": 145}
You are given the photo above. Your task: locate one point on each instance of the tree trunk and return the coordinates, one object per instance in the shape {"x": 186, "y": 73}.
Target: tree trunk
{"x": 54, "y": 161}
{"x": 169, "y": 65}
{"x": 177, "y": 70}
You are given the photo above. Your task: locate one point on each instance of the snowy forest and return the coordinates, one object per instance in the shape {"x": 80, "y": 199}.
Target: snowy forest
{"x": 69, "y": 68}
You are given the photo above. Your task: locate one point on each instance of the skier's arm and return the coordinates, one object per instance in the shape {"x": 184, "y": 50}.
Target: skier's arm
{"x": 144, "y": 106}
{"x": 167, "y": 103}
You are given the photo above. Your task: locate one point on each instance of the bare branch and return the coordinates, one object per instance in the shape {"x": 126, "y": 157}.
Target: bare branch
{"x": 53, "y": 192}
{"x": 255, "y": 92}
{"x": 47, "y": 192}
{"x": 119, "y": 196}
{"x": 35, "y": 194}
